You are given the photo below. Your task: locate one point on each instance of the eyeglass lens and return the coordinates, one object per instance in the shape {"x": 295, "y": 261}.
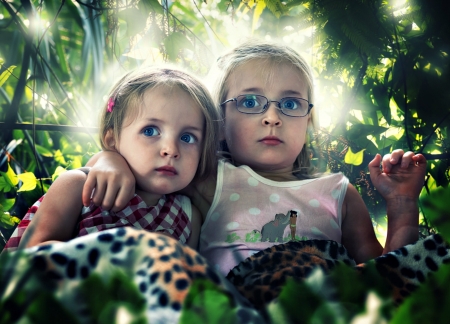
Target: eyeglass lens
{"x": 256, "y": 104}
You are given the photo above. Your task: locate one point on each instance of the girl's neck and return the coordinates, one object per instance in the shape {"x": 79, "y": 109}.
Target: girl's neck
{"x": 149, "y": 198}
{"x": 277, "y": 176}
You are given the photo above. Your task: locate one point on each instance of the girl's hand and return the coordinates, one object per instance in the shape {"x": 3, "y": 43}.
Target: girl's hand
{"x": 112, "y": 180}
{"x": 402, "y": 175}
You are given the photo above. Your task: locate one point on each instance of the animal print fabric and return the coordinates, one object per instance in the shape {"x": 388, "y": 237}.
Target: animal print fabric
{"x": 162, "y": 269}
{"x": 261, "y": 277}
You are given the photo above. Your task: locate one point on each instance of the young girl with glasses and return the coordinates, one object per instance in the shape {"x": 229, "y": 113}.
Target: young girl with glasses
{"x": 265, "y": 92}
{"x": 163, "y": 123}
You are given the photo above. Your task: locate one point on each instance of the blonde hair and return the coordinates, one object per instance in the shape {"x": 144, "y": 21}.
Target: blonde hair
{"x": 127, "y": 96}
{"x": 272, "y": 53}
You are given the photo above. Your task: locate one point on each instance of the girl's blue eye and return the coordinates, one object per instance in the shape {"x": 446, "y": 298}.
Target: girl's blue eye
{"x": 290, "y": 103}
{"x": 151, "y": 131}
{"x": 249, "y": 101}
{"x": 188, "y": 138}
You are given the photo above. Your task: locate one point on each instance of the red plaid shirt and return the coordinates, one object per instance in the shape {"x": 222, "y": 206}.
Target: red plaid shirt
{"x": 167, "y": 216}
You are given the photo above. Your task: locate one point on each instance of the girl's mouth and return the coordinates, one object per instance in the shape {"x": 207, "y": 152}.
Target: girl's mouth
{"x": 167, "y": 170}
{"x": 271, "y": 140}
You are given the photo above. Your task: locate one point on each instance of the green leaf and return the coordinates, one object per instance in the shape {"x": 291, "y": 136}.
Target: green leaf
{"x": 174, "y": 43}
{"x": 43, "y": 151}
{"x": 360, "y": 130}
{"x": 6, "y": 74}
{"x": 435, "y": 208}
{"x": 10, "y": 177}
{"x": 151, "y": 6}
{"x": 429, "y": 303}
{"x": 297, "y": 296}
{"x": 136, "y": 20}
{"x": 5, "y": 203}
{"x": 59, "y": 157}
{"x": 28, "y": 181}
{"x": 277, "y": 7}
{"x": 5, "y": 186}
{"x": 207, "y": 303}
{"x": 354, "y": 158}
{"x": 59, "y": 170}
{"x": 8, "y": 221}
{"x": 260, "y": 6}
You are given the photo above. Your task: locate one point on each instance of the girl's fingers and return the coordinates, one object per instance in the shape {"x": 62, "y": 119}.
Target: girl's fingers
{"x": 109, "y": 197}
{"x": 406, "y": 160}
{"x": 99, "y": 195}
{"x": 389, "y": 160}
{"x": 395, "y": 156}
{"x": 419, "y": 159}
{"x": 374, "y": 166}
{"x": 122, "y": 198}
{"x": 88, "y": 187}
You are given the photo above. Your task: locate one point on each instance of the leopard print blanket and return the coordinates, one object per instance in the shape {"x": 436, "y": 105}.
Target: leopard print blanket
{"x": 163, "y": 270}
{"x": 261, "y": 277}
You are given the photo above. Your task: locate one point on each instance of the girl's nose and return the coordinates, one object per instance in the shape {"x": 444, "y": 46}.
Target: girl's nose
{"x": 272, "y": 116}
{"x": 170, "y": 149}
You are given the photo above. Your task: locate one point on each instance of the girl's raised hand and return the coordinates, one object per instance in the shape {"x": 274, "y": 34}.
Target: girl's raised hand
{"x": 112, "y": 180}
{"x": 402, "y": 174}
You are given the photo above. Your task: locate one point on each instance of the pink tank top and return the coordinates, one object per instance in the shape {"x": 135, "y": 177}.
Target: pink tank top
{"x": 250, "y": 213}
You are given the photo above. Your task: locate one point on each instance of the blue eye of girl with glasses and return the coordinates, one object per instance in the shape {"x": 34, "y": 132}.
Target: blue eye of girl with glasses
{"x": 249, "y": 103}
{"x": 291, "y": 104}
{"x": 151, "y": 131}
{"x": 188, "y": 138}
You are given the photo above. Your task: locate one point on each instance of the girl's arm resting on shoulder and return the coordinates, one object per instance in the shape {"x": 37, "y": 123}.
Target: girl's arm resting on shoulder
{"x": 399, "y": 182}
{"x": 196, "y": 222}
{"x": 112, "y": 180}
{"x": 57, "y": 215}
{"x": 201, "y": 194}
{"x": 358, "y": 235}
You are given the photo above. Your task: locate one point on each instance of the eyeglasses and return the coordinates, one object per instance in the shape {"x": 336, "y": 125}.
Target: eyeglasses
{"x": 257, "y": 104}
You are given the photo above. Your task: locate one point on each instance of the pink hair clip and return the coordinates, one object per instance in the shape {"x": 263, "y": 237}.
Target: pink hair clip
{"x": 111, "y": 103}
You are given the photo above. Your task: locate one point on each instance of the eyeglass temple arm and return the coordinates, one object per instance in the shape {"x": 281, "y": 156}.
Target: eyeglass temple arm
{"x": 226, "y": 101}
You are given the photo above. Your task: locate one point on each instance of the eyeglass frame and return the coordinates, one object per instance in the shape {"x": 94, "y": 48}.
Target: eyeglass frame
{"x": 266, "y": 106}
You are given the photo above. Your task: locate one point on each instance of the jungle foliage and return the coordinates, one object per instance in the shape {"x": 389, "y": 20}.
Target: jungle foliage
{"x": 382, "y": 72}
{"x": 384, "y": 68}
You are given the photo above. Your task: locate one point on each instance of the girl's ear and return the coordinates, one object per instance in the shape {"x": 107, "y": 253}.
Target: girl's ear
{"x": 109, "y": 140}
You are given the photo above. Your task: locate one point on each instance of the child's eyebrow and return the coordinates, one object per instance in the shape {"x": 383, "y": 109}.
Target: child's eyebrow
{"x": 292, "y": 93}
{"x": 251, "y": 90}
{"x": 285, "y": 93}
{"x": 193, "y": 128}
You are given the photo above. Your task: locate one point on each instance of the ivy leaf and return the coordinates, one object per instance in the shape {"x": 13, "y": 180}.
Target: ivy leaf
{"x": 5, "y": 203}
{"x": 4, "y": 185}
{"x": 59, "y": 170}
{"x": 6, "y": 74}
{"x": 8, "y": 180}
{"x": 436, "y": 210}
{"x": 207, "y": 303}
{"x": 59, "y": 157}
{"x": 354, "y": 158}
{"x": 43, "y": 151}
{"x": 151, "y": 6}
{"x": 174, "y": 43}
{"x": 426, "y": 304}
{"x": 28, "y": 181}
{"x": 277, "y": 7}
{"x": 260, "y": 5}
{"x": 8, "y": 221}
{"x": 136, "y": 20}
